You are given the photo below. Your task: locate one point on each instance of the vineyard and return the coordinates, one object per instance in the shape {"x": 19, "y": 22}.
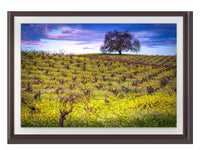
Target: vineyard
{"x": 97, "y": 90}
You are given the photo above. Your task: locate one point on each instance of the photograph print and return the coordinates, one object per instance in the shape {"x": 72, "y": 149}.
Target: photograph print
{"x": 99, "y": 75}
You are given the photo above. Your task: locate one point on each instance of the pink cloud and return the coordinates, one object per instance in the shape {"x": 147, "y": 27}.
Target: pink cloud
{"x": 46, "y": 29}
{"x": 72, "y": 34}
{"x": 32, "y": 43}
{"x": 81, "y": 31}
{"x": 86, "y": 47}
{"x": 57, "y": 36}
{"x": 44, "y": 46}
{"x": 74, "y": 31}
{"x": 66, "y": 29}
{"x": 40, "y": 44}
{"x": 78, "y": 43}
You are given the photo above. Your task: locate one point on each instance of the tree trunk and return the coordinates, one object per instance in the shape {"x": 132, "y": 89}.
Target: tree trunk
{"x": 120, "y": 52}
{"x": 62, "y": 118}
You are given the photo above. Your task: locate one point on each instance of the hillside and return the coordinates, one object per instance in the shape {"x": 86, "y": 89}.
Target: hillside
{"x": 98, "y": 90}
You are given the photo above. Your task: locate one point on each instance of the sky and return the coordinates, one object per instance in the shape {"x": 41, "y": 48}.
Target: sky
{"x": 155, "y": 39}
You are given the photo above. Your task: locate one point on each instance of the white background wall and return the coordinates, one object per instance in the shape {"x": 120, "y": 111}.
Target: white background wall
{"x": 97, "y": 5}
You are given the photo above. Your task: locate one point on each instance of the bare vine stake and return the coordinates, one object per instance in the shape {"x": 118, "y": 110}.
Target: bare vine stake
{"x": 62, "y": 116}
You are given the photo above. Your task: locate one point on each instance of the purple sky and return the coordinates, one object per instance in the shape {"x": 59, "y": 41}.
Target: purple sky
{"x": 155, "y": 39}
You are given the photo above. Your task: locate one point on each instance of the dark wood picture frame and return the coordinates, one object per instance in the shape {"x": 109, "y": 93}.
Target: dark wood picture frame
{"x": 186, "y": 138}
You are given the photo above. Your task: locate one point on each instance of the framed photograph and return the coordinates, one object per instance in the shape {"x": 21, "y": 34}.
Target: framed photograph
{"x": 100, "y": 77}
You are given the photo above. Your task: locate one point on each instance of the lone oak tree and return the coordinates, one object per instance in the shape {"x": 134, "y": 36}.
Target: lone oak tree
{"x": 120, "y": 41}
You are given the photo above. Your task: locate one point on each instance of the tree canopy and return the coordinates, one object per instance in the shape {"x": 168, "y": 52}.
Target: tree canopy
{"x": 120, "y": 41}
